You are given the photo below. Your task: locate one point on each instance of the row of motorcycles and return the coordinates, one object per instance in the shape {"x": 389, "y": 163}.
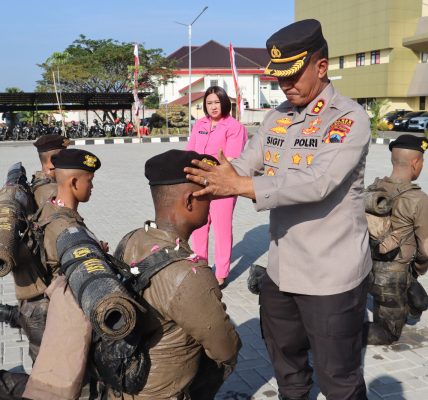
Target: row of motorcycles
{"x": 74, "y": 130}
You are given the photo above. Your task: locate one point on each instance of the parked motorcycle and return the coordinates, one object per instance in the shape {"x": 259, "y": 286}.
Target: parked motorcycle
{"x": 108, "y": 128}
{"x": 96, "y": 130}
{"x": 119, "y": 127}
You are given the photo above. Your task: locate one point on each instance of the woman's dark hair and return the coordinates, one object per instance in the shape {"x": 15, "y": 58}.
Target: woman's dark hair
{"x": 225, "y": 104}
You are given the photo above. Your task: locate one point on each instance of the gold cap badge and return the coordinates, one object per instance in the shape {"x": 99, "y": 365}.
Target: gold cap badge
{"x": 90, "y": 161}
{"x": 275, "y": 53}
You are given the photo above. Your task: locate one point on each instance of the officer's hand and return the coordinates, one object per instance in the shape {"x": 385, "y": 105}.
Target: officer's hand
{"x": 104, "y": 246}
{"x": 220, "y": 180}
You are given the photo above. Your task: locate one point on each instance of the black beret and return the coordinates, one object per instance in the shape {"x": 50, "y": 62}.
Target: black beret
{"x": 167, "y": 168}
{"x": 76, "y": 159}
{"x": 51, "y": 142}
{"x": 292, "y": 47}
{"x": 409, "y": 142}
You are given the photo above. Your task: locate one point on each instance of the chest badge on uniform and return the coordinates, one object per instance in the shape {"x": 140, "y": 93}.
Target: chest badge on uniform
{"x": 296, "y": 158}
{"x": 267, "y": 155}
{"x": 319, "y": 105}
{"x": 270, "y": 172}
{"x": 283, "y": 123}
{"x": 314, "y": 126}
{"x": 338, "y": 130}
{"x": 279, "y": 129}
{"x": 309, "y": 159}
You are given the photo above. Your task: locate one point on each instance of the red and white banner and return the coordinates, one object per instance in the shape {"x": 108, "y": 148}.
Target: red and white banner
{"x": 239, "y": 99}
{"x": 136, "y": 65}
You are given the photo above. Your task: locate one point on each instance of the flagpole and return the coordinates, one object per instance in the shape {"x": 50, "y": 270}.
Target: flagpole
{"x": 136, "y": 99}
{"x": 59, "y": 104}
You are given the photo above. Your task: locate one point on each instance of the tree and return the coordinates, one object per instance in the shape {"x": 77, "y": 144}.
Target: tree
{"x": 376, "y": 112}
{"x": 13, "y": 90}
{"x": 105, "y": 66}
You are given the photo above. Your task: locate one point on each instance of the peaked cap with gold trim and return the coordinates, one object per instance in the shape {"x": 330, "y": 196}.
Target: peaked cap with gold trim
{"x": 76, "y": 159}
{"x": 292, "y": 47}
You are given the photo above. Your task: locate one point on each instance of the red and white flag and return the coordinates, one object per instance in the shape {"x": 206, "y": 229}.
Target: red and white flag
{"x": 136, "y": 65}
{"x": 239, "y": 99}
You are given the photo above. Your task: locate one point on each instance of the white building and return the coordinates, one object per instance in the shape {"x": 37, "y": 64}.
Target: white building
{"x": 211, "y": 66}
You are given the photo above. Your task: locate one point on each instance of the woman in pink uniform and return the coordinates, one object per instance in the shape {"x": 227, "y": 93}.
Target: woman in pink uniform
{"x": 217, "y": 130}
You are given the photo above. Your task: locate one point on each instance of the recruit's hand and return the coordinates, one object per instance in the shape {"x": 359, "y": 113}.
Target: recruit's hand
{"x": 220, "y": 180}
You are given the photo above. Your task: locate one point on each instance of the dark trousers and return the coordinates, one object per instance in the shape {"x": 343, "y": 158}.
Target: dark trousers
{"x": 31, "y": 318}
{"x": 12, "y": 385}
{"x": 331, "y": 326}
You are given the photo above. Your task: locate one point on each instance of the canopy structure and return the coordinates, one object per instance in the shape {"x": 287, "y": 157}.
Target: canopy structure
{"x": 69, "y": 101}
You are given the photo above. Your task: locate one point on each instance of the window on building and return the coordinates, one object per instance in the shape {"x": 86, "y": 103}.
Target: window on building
{"x": 375, "y": 57}
{"x": 424, "y": 57}
{"x": 422, "y": 103}
{"x": 341, "y": 62}
{"x": 360, "y": 60}
{"x": 214, "y": 82}
{"x": 274, "y": 86}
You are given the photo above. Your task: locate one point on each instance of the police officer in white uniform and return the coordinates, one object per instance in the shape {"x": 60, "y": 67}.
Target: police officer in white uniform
{"x": 306, "y": 165}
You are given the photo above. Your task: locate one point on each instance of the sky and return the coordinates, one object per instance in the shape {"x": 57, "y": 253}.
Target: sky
{"x": 32, "y": 30}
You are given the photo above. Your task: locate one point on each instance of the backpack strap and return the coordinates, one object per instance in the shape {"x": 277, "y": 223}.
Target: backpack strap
{"x": 156, "y": 262}
{"x": 120, "y": 249}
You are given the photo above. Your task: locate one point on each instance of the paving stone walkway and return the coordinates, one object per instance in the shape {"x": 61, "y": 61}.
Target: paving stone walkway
{"x": 121, "y": 202}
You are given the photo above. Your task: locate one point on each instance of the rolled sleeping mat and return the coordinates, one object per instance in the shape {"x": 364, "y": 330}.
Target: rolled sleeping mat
{"x": 377, "y": 202}
{"x": 9, "y": 230}
{"x": 96, "y": 287}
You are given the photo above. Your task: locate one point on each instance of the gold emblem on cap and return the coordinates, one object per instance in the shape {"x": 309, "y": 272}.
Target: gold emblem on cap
{"x": 424, "y": 145}
{"x": 90, "y": 161}
{"x": 296, "y": 67}
{"x": 275, "y": 53}
{"x": 209, "y": 162}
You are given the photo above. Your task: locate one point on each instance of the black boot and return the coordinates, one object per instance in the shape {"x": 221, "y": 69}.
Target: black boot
{"x": 9, "y": 314}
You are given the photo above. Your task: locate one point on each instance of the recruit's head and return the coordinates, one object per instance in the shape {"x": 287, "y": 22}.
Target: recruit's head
{"x": 299, "y": 59}
{"x": 172, "y": 192}
{"x": 47, "y": 146}
{"x": 216, "y": 103}
{"x": 74, "y": 170}
{"x": 407, "y": 153}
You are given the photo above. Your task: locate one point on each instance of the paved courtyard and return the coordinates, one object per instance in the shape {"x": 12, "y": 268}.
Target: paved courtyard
{"x": 121, "y": 201}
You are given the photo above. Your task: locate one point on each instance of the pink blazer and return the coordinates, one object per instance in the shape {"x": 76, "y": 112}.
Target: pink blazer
{"x": 229, "y": 135}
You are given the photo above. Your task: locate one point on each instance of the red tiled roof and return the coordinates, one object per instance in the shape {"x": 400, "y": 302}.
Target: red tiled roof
{"x": 193, "y": 83}
{"x": 184, "y": 100}
{"x": 214, "y": 55}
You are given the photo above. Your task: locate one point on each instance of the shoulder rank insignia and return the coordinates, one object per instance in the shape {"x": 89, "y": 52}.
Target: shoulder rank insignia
{"x": 314, "y": 126}
{"x": 309, "y": 159}
{"x": 275, "y": 158}
{"x": 267, "y": 155}
{"x": 319, "y": 105}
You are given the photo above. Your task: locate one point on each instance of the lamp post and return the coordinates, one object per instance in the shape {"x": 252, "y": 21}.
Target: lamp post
{"x": 189, "y": 27}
